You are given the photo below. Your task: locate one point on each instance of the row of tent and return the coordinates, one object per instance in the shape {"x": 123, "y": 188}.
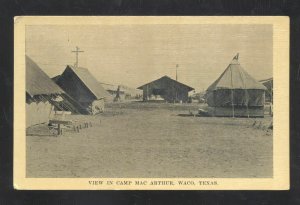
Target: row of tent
{"x": 76, "y": 90}
{"x": 235, "y": 93}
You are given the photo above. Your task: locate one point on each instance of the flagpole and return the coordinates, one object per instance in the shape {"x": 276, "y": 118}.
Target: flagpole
{"x": 232, "y": 89}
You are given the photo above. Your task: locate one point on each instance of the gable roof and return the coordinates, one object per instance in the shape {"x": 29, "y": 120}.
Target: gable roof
{"x": 38, "y": 82}
{"x": 90, "y": 81}
{"x": 266, "y": 80}
{"x": 168, "y": 79}
{"x": 235, "y": 77}
{"x": 55, "y": 78}
{"x": 110, "y": 87}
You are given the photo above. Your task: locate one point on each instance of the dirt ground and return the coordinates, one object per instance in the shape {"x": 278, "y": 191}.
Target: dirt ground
{"x": 151, "y": 140}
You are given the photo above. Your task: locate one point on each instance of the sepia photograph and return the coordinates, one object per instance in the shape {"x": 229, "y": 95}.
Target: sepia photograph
{"x": 167, "y": 102}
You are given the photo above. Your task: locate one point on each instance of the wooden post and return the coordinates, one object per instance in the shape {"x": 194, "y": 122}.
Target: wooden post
{"x": 232, "y": 102}
{"x": 58, "y": 130}
{"x": 247, "y": 102}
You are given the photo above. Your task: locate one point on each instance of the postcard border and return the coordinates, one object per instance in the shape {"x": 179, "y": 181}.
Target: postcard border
{"x": 280, "y": 181}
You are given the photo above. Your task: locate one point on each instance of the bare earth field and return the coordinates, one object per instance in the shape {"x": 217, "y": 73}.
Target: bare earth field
{"x": 151, "y": 140}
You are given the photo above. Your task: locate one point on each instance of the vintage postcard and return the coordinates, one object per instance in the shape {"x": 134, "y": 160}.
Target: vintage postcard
{"x": 151, "y": 103}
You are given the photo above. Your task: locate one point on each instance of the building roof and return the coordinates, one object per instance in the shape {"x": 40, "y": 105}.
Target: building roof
{"x": 110, "y": 87}
{"x": 90, "y": 81}
{"x": 123, "y": 89}
{"x": 168, "y": 79}
{"x": 38, "y": 82}
{"x": 235, "y": 77}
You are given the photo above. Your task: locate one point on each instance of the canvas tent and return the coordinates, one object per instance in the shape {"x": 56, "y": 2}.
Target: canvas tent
{"x": 112, "y": 92}
{"x": 83, "y": 87}
{"x": 268, "y": 83}
{"x": 120, "y": 92}
{"x": 131, "y": 93}
{"x": 235, "y": 93}
{"x": 41, "y": 94}
{"x": 167, "y": 89}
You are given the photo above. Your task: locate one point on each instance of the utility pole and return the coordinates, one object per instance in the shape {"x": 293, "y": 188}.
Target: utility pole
{"x": 77, "y": 51}
{"x": 176, "y": 71}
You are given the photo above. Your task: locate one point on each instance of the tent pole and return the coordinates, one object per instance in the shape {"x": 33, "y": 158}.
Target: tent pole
{"x": 232, "y": 103}
{"x": 147, "y": 96}
{"x": 246, "y": 92}
{"x": 232, "y": 98}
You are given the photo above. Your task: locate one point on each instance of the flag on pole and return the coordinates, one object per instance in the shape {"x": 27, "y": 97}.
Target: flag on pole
{"x": 236, "y": 57}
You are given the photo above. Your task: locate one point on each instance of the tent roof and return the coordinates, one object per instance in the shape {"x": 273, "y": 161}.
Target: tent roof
{"x": 130, "y": 90}
{"x": 123, "y": 88}
{"x": 266, "y": 80}
{"x": 38, "y": 82}
{"x": 90, "y": 81}
{"x": 55, "y": 78}
{"x": 268, "y": 83}
{"x": 111, "y": 87}
{"x": 235, "y": 77}
{"x": 169, "y": 79}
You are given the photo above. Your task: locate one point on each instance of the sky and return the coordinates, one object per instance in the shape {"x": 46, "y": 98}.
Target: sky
{"x": 133, "y": 55}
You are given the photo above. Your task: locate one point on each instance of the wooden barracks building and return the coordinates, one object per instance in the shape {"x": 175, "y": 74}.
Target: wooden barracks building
{"x": 167, "y": 89}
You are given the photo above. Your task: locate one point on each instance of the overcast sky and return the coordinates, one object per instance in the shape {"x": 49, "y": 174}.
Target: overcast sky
{"x": 137, "y": 54}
